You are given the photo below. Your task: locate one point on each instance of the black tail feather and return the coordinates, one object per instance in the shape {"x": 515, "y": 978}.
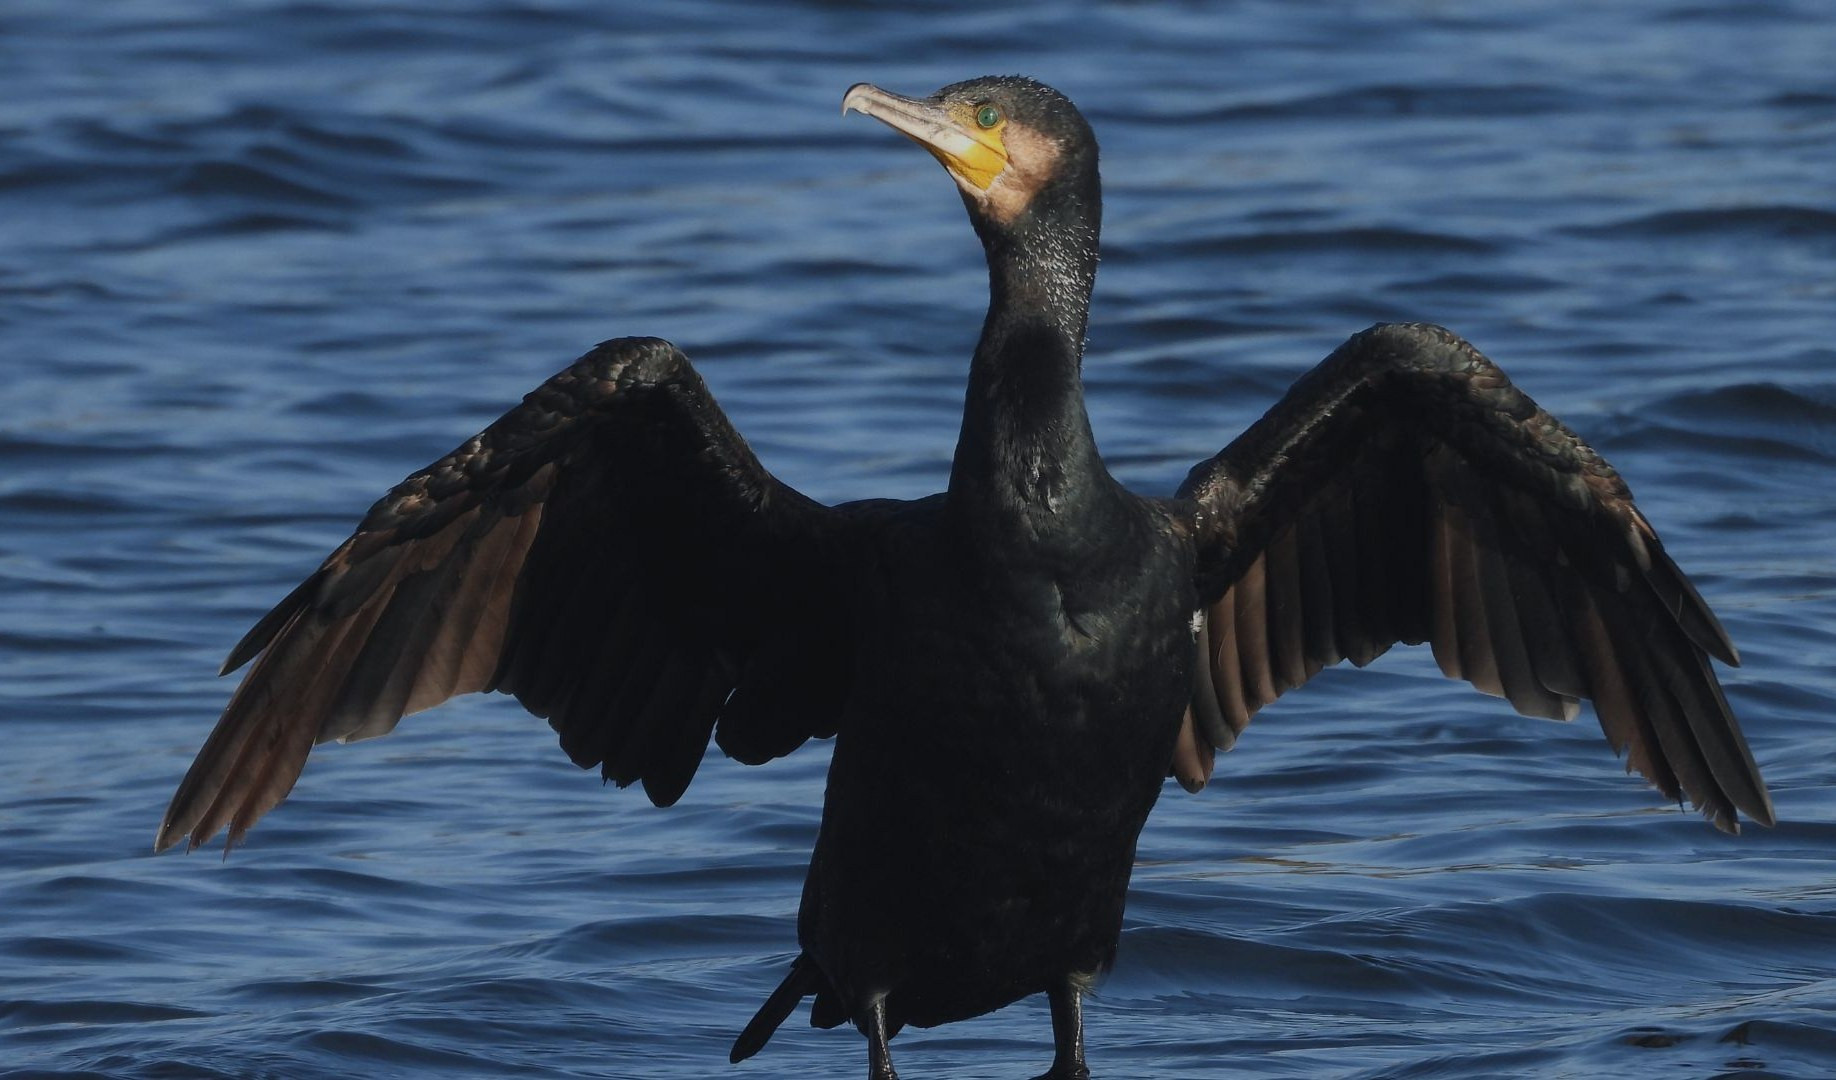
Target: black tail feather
{"x": 802, "y": 981}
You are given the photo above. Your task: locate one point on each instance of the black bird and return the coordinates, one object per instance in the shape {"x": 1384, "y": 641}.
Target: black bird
{"x": 1011, "y": 667}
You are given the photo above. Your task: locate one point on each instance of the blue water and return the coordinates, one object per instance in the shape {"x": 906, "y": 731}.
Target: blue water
{"x": 260, "y": 260}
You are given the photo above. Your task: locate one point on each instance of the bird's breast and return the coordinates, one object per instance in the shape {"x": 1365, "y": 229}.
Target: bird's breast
{"x": 1041, "y": 628}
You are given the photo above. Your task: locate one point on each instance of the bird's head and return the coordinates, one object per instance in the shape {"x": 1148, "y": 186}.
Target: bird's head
{"x": 1019, "y": 150}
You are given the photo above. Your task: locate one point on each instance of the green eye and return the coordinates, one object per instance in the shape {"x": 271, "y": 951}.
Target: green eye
{"x": 988, "y": 116}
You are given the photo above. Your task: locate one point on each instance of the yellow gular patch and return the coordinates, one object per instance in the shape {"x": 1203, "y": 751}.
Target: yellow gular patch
{"x": 982, "y": 156}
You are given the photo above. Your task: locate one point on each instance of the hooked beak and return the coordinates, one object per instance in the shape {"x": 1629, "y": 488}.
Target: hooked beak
{"x": 972, "y": 156}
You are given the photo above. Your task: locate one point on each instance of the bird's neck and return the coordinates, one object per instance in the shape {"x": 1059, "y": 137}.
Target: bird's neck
{"x": 1026, "y": 452}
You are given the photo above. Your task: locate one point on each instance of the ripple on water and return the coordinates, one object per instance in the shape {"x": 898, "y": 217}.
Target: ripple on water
{"x": 1775, "y": 223}
{"x": 1764, "y": 421}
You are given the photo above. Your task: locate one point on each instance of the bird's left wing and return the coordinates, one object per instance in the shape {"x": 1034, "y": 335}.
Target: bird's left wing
{"x": 1405, "y": 490}
{"x": 610, "y": 551}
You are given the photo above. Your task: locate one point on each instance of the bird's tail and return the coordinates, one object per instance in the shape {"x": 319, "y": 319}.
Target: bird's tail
{"x": 804, "y": 979}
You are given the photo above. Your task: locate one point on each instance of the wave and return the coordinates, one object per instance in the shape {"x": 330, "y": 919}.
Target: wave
{"x": 1734, "y": 222}
{"x": 1446, "y": 100}
{"x": 1749, "y": 419}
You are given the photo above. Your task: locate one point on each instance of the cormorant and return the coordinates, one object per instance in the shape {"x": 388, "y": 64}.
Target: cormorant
{"x": 1011, "y": 667}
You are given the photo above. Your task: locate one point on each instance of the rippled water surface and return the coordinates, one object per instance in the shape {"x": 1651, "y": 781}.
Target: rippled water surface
{"x": 260, "y": 260}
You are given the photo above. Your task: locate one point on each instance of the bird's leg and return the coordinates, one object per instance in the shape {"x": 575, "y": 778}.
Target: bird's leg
{"x": 879, "y": 1054}
{"x": 1067, "y": 998}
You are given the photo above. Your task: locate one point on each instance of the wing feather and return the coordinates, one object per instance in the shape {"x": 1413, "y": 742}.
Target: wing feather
{"x": 1406, "y": 490}
{"x": 609, "y": 551}
{"x": 1253, "y": 645}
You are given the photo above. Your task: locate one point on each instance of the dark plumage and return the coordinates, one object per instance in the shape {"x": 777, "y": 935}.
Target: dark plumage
{"x": 1010, "y": 667}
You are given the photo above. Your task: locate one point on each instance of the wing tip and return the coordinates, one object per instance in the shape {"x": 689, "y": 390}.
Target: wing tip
{"x": 1193, "y": 757}
{"x": 1761, "y": 813}
{"x": 171, "y": 835}
{"x": 1725, "y": 813}
{"x": 1724, "y": 818}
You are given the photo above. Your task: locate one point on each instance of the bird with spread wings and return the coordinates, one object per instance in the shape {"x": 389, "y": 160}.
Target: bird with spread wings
{"x": 1012, "y": 667}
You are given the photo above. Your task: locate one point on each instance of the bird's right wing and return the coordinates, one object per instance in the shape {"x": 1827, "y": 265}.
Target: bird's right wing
{"x": 610, "y": 551}
{"x": 1405, "y": 490}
